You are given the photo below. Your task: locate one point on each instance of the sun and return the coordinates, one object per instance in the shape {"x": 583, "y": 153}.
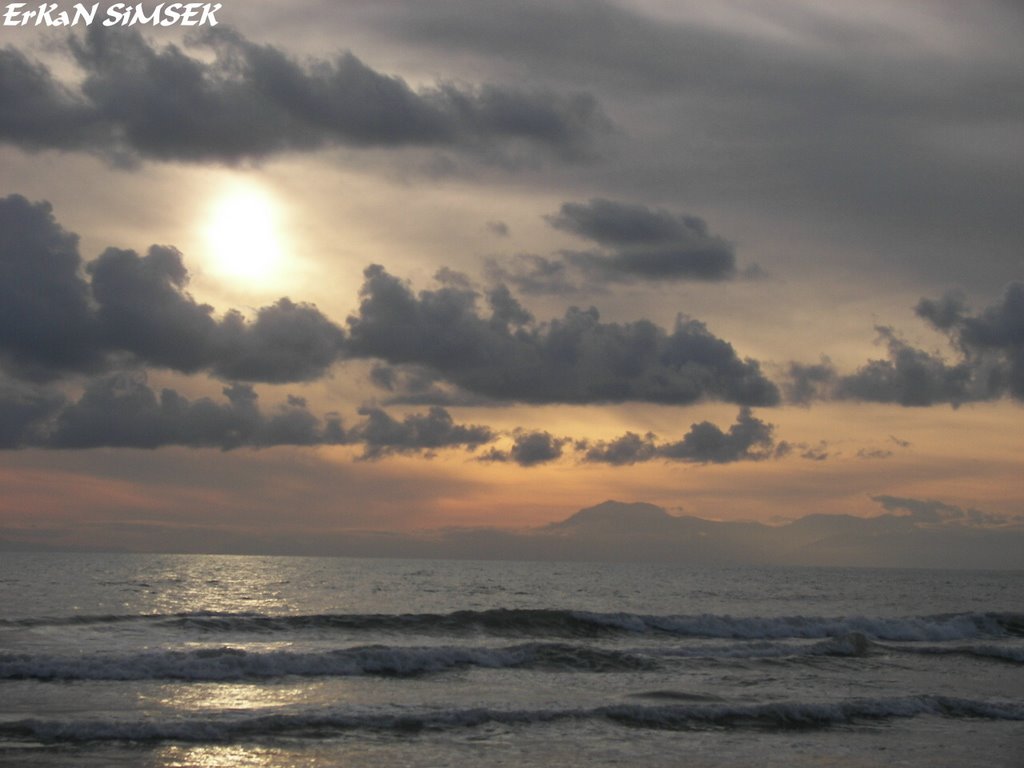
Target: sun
{"x": 243, "y": 237}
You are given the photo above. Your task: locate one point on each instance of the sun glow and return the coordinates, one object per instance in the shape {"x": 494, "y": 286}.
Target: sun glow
{"x": 243, "y": 237}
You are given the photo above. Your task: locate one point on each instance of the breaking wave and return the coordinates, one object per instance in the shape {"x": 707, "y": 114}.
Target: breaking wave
{"x": 324, "y": 724}
{"x": 225, "y": 663}
{"x": 575, "y": 624}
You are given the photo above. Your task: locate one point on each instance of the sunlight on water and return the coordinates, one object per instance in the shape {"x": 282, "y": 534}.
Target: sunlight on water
{"x": 195, "y": 697}
{"x": 151, "y": 661}
{"x": 225, "y": 584}
{"x": 217, "y": 757}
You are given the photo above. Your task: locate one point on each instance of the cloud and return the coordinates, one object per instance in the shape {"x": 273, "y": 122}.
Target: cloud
{"x": 749, "y": 439}
{"x": 252, "y": 101}
{"x": 936, "y": 513}
{"x": 907, "y": 376}
{"x": 874, "y": 453}
{"x": 23, "y": 409}
{"x": 805, "y": 383}
{"x": 530, "y": 449}
{"x": 122, "y": 411}
{"x": 914, "y": 377}
{"x": 383, "y": 435}
{"x": 56, "y": 320}
{"x": 534, "y": 275}
{"x": 628, "y": 449}
{"x": 990, "y": 344}
{"x": 643, "y": 243}
{"x": 575, "y": 359}
{"x": 910, "y": 377}
{"x": 992, "y": 340}
{"x": 819, "y": 452}
{"x": 416, "y": 385}
{"x": 46, "y": 317}
{"x": 844, "y": 118}
{"x": 38, "y": 112}
{"x": 634, "y": 243}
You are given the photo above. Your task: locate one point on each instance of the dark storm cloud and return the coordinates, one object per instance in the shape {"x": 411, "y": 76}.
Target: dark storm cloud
{"x": 991, "y": 364}
{"x": 23, "y": 410}
{"x": 575, "y": 359}
{"x": 634, "y": 242}
{"x": 506, "y": 310}
{"x": 644, "y": 243}
{"x": 990, "y": 344}
{"x": 46, "y": 318}
{"x": 251, "y": 101}
{"x": 911, "y": 377}
{"x": 382, "y": 435}
{"x": 749, "y": 439}
{"x": 530, "y": 449}
{"x": 144, "y": 309}
{"x": 416, "y": 385}
{"x": 626, "y": 450}
{"x": 37, "y": 112}
{"x": 992, "y": 340}
{"x": 122, "y": 411}
{"x": 54, "y": 319}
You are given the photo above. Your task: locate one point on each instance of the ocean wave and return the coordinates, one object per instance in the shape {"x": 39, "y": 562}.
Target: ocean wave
{"x": 230, "y": 663}
{"x": 327, "y": 723}
{"x": 577, "y": 624}
{"x": 850, "y": 644}
{"x": 226, "y": 663}
{"x": 993, "y": 652}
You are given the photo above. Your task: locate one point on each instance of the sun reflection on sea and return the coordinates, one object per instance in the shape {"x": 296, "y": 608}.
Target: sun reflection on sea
{"x": 193, "y": 697}
{"x": 224, "y": 584}
{"x": 219, "y": 756}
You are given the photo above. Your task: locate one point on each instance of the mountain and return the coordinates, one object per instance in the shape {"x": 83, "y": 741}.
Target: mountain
{"x": 613, "y": 515}
{"x": 615, "y": 530}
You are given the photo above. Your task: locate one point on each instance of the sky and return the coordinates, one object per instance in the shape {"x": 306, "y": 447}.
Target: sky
{"x": 329, "y": 269}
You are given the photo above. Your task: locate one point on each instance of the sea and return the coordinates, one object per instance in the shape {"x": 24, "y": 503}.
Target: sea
{"x": 201, "y": 660}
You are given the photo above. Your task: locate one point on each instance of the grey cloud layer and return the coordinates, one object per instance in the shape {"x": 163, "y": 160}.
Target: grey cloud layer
{"x": 575, "y": 359}
{"x": 633, "y": 243}
{"x": 749, "y": 439}
{"x": 644, "y": 243}
{"x": 123, "y": 411}
{"x": 54, "y": 321}
{"x": 251, "y": 101}
{"x": 57, "y": 321}
{"x": 820, "y": 114}
{"x": 992, "y": 340}
{"x": 382, "y": 435}
{"x": 530, "y": 449}
{"x": 991, "y": 365}
{"x": 58, "y": 316}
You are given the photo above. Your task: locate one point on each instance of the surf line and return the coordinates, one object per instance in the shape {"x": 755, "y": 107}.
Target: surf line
{"x": 118, "y": 14}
